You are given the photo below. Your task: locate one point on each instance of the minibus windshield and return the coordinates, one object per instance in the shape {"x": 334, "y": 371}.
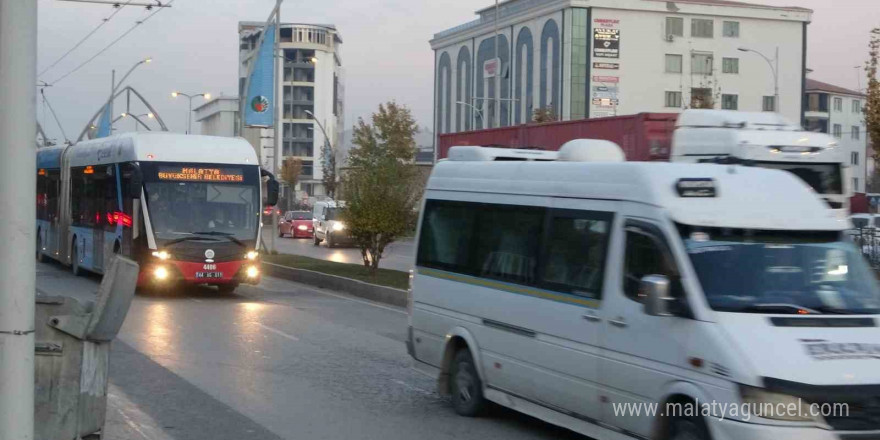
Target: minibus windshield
{"x": 773, "y": 272}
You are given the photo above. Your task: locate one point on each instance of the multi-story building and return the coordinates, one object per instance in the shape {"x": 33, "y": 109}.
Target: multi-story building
{"x": 311, "y": 96}
{"x": 840, "y": 112}
{"x": 593, "y": 58}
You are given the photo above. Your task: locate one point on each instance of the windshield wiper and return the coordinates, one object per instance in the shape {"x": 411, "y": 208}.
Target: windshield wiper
{"x": 226, "y": 235}
{"x": 780, "y": 308}
{"x": 190, "y": 238}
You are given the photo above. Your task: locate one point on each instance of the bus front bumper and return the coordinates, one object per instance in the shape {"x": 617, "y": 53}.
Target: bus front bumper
{"x": 188, "y": 272}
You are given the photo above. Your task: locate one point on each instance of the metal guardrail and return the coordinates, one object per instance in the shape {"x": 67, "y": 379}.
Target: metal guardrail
{"x": 868, "y": 241}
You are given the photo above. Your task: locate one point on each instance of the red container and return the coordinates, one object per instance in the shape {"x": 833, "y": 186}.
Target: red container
{"x": 643, "y": 137}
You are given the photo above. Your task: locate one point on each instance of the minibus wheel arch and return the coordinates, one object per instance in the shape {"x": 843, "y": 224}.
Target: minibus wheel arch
{"x": 664, "y": 422}
{"x": 457, "y": 339}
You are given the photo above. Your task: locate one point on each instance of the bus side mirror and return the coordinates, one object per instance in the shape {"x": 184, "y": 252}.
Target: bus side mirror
{"x": 655, "y": 292}
{"x": 272, "y": 188}
{"x": 137, "y": 182}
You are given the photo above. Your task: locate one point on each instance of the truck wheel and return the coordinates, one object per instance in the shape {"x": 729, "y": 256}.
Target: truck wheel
{"x": 280, "y": 233}
{"x": 330, "y": 243}
{"x": 316, "y": 241}
{"x": 467, "y": 388}
{"x": 688, "y": 428}
{"x": 74, "y": 267}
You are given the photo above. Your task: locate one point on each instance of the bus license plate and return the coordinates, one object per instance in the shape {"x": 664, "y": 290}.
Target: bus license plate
{"x": 209, "y": 275}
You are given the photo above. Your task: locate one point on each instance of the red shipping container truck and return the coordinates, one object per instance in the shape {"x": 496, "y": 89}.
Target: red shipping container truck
{"x": 643, "y": 137}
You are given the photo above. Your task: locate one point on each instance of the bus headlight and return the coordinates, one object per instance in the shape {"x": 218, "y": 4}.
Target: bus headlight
{"x": 162, "y": 255}
{"x": 252, "y": 272}
{"x": 338, "y": 226}
{"x": 252, "y": 255}
{"x": 161, "y": 273}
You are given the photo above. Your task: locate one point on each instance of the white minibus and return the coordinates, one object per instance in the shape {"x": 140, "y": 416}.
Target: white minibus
{"x": 642, "y": 300}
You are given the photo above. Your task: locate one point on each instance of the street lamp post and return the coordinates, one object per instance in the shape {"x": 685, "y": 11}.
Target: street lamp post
{"x": 774, "y": 67}
{"x": 207, "y": 97}
{"x": 328, "y": 148}
{"x": 115, "y": 85}
{"x": 477, "y": 111}
{"x": 137, "y": 120}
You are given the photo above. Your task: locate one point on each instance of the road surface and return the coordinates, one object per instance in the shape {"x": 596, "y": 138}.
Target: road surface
{"x": 277, "y": 361}
{"x": 397, "y": 256}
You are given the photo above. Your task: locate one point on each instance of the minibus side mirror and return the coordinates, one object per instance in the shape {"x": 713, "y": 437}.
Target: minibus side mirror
{"x": 272, "y": 189}
{"x": 655, "y": 291}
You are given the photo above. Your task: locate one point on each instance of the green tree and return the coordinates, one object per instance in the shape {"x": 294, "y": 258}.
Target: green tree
{"x": 872, "y": 105}
{"x": 381, "y": 189}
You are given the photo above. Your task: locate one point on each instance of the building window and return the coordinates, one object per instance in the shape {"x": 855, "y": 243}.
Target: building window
{"x": 701, "y": 63}
{"x": 838, "y": 131}
{"x": 838, "y": 104}
{"x": 855, "y": 133}
{"x": 854, "y": 157}
{"x": 702, "y": 98}
{"x": 308, "y": 169}
{"x": 730, "y": 102}
{"x": 769, "y": 104}
{"x": 673, "y": 99}
{"x": 855, "y": 184}
{"x": 731, "y": 29}
{"x": 818, "y": 102}
{"x": 702, "y": 28}
{"x": 730, "y": 65}
{"x": 856, "y": 106}
{"x": 675, "y": 26}
{"x": 673, "y": 63}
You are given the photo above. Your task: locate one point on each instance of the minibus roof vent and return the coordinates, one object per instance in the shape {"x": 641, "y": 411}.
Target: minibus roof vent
{"x": 489, "y": 154}
{"x": 591, "y": 150}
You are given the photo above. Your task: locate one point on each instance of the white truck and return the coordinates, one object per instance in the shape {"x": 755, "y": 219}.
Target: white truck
{"x": 765, "y": 140}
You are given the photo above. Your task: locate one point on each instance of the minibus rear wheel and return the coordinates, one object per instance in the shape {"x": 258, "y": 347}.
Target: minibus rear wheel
{"x": 688, "y": 428}
{"x": 467, "y": 388}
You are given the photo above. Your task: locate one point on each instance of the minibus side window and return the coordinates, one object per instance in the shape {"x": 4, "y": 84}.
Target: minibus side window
{"x": 447, "y": 228}
{"x": 574, "y": 252}
{"x": 508, "y": 241}
{"x": 645, "y": 256}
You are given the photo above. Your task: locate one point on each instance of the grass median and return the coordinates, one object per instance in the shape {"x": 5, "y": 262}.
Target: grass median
{"x": 383, "y": 277}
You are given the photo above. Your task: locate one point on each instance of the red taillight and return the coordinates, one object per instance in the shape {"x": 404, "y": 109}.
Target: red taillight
{"x": 111, "y": 219}
{"x": 125, "y": 219}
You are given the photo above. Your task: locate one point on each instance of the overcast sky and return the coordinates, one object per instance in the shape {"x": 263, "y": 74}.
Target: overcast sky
{"x": 386, "y": 54}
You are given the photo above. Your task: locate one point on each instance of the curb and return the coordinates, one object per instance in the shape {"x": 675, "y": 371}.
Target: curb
{"x": 374, "y": 292}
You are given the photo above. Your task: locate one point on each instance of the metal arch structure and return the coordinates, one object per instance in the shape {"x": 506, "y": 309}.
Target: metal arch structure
{"x": 128, "y": 90}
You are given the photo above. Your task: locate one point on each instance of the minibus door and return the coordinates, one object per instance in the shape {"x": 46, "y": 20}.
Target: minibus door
{"x": 642, "y": 352}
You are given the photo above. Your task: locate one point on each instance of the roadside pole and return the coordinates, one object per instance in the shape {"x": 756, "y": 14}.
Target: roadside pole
{"x": 276, "y": 124}
{"x": 18, "y": 75}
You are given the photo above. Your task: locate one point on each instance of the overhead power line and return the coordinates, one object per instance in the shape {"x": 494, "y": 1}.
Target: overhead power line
{"x": 112, "y": 43}
{"x": 83, "y": 40}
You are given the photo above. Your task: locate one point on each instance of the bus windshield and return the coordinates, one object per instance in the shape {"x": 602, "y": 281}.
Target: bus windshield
{"x": 824, "y": 178}
{"x": 192, "y": 199}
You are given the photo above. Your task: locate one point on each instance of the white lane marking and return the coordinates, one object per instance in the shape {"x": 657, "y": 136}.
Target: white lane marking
{"x": 133, "y": 417}
{"x": 195, "y": 300}
{"x": 277, "y": 332}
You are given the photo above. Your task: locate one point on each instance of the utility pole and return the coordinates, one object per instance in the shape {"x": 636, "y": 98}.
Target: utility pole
{"x": 277, "y": 117}
{"x": 18, "y": 74}
{"x": 112, "y": 93}
{"x": 496, "y": 116}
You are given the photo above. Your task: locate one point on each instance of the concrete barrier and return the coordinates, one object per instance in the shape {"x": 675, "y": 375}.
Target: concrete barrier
{"x": 374, "y": 292}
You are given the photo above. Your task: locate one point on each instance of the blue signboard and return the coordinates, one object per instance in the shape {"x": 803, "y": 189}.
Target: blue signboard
{"x": 260, "y": 105}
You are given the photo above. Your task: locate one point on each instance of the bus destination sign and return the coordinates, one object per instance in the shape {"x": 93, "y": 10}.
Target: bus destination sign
{"x": 197, "y": 174}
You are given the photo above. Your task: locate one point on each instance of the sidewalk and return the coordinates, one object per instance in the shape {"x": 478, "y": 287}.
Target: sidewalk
{"x": 125, "y": 421}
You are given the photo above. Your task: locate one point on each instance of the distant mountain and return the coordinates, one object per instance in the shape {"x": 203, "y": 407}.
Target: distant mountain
{"x": 424, "y": 141}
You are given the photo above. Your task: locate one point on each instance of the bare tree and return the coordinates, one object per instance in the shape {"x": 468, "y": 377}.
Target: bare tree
{"x": 291, "y": 169}
{"x": 544, "y": 114}
{"x": 872, "y": 105}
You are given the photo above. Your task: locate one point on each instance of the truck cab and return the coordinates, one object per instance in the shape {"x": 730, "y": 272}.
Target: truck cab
{"x": 765, "y": 140}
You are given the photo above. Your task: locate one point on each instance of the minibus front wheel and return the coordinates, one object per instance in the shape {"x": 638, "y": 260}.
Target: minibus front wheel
{"x": 688, "y": 428}
{"x": 466, "y": 387}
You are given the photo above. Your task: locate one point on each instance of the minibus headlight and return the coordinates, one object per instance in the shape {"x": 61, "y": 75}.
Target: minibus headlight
{"x": 775, "y": 406}
{"x": 162, "y": 255}
{"x": 252, "y": 255}
{"x": 338, "y": 226}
